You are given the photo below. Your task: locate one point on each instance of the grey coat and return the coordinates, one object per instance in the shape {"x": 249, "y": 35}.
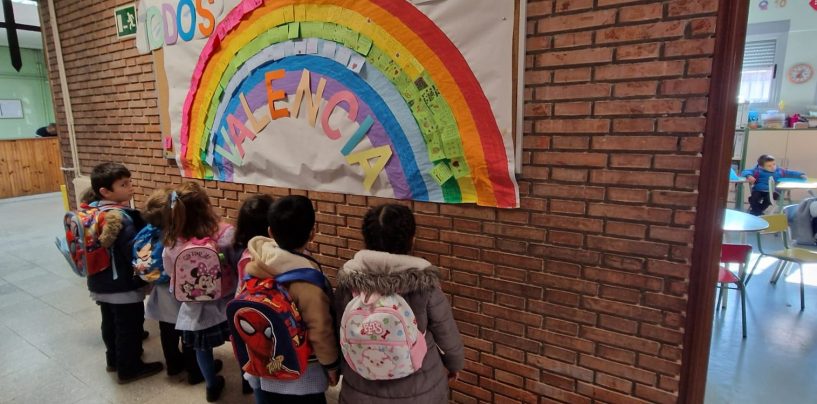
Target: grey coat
{"x": 418, "y": 282}
{"x": 800, "y": 222}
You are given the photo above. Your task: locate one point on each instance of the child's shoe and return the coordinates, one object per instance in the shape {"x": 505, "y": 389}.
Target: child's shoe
{"x": 213, "y": 393}
{"x": 146, "y": 370}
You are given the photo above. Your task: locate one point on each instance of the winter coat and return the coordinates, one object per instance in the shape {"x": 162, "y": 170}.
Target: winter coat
{"x": 129, "y": 222}
{"x": 268, "y": 261}
{"x": 762, "y": 176}
{"x": 417, "y": 281}
{"x": 801, "y": 222}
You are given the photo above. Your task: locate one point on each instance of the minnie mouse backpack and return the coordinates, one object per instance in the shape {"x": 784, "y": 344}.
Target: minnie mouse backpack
{"x": 200, "y": 272}
{"x": 380, "y": 339}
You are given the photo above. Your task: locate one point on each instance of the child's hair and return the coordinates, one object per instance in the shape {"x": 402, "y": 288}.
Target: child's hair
{"x": 105, "y": 174}
{"x": 291, "y": 220}
{"x": 88, "y": 196}
{"x": 252, "y": 219}
{"x": 188, "y": 214}
{"x": 389, "y": 228}
{"x": 155, "y": 206}
{"x": 764, "y": 158}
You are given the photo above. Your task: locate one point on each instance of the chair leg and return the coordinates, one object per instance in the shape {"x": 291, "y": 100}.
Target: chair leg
{"x": 720, "y": 297}
{"x": 742, "y": 291}
{"x": 802, "y": 289}
{"x": 752, "y": 271}
{"x": 778, "y": 271}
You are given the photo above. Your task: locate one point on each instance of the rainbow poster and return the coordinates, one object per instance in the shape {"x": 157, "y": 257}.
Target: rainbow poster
{"x": 368, "y": 97}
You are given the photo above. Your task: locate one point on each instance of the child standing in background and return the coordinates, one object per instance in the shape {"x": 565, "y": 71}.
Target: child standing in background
{"x": 203, "y": 324}
{"x": 162, "y": 306}
{"x": 251, "y": 222}
{"x": 759, "y": 176}
{"x": 116, "y": 290}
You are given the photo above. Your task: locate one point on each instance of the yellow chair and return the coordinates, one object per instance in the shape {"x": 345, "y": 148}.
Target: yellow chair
{"x": 779, "y": 224}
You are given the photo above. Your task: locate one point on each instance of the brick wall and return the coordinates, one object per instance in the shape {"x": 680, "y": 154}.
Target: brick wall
{"x": 578, "y": 296}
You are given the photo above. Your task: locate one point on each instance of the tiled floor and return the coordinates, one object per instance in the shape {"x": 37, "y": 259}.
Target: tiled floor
{"x": 50, "y": 344}
{"x": 776, "y": 362}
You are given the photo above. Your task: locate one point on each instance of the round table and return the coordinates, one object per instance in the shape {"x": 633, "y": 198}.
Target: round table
{"x": 735, "y": 221}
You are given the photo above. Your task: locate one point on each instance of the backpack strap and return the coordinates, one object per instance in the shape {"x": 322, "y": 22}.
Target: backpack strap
{"x": 756, "y": 173}
{"x": 310, "y": 275}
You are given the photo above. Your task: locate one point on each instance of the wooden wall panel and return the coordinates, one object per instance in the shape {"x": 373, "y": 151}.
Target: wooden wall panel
{"x": 29, "y": 166}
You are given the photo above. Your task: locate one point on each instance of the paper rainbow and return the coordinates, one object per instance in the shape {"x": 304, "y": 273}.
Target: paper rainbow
{"x": 416, "y": 91}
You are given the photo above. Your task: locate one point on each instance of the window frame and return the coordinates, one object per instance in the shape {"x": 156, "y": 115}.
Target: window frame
{"x": 779, "y": 32}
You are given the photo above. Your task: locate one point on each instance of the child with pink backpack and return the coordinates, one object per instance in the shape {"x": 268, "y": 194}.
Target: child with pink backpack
{"x": 200, "y": 277}
{"x": 397, "y": 332}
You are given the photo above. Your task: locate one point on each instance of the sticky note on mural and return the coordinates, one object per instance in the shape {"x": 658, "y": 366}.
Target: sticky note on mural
{"x": 364, "y": 45}
{"x": 311, "y": 29}
{"x": 459, "y": 168}
{"x": 452, "y": 146}
{"x": 441, "y": 173}
{"x": 435, "y": 148}
{"x": 289, "y": 13}
{"x": 294, "y": 30}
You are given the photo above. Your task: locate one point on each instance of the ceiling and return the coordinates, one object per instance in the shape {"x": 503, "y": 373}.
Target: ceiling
{"x": 25, "y": 12}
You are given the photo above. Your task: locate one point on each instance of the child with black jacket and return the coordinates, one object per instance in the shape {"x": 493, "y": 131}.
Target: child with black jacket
{"x": 117, "y": 292}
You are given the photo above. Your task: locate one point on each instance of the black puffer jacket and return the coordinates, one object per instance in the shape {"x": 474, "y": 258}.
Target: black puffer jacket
{"x": 122, "y": 258}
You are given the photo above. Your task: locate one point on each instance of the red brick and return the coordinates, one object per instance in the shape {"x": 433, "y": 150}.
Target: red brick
{"x": 635, "y": 89}
{"x": 573, "y": 75}
{"x": 624, "y": 356}
{"x": 685, "y": 86}
{"x": 624, "y": 229}
{"x": 567, "y": 222}
{"x": 572, "y": 108}
{"x": 573, "y": 92}
{"x": 615, "y": 383}
{"x": 577, "y": 21}
{"x": 632, "y": 143}
{"x": 569, "y": 191}
{"x": 640, "y": 51}
{"x": 640, "y": 70}
{"x": 682, "y": 125}
{"x": 638, "y": 107}
{"x": 665, "y": 268}
{"x": 539, "y": 8}
{"x": 643, "y": 178}
{"x": 631, "y": 161}
{"x": 573, "y": 39}
{"x": 687, "y": 7}
{"x": 571, "y": 159}
{"x": 639, "y": 125}
{"x": 702, "y": 26}
{"x": 575, "y": 57}
{"x": 641, "y": 13}
{"x": 573, "y": 126}
{"x": 639, "y": 213}
{"x": 658, "y": 30}
{"x": 569, "y": 207}
{"x": 571, "y": 142}
{"x": 617, "y": 369}
{"x": 572, "y": 5}
{"x": 655, "y": 395}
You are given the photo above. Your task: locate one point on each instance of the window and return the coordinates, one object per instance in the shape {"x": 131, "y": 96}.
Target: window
{"x": 757, "y": 78}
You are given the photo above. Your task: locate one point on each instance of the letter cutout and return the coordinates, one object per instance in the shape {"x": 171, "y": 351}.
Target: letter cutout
{"x": 304, "y": 87}
{"x": 231, "y": 153}
{"x": 336, "y": 99}
{"x": 358, "y": 136}
{"x": 186, "y": 35}
{"x": 153, "y": 22}
{"x": 239, "y": 133}
{"x": 171, "y": 33}
{"x": 206, "y": 14}
{"x": 382, "y": 153}
{"x": 256, "y": 125}
{"x": 275, "y": 95}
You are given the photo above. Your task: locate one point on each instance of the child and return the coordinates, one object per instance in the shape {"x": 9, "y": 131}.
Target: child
{"x": 88, "y": 196}
{"x": 759, "y": 178}
{"x": 251, "y": 222}
{"x": 384, "y": 269}
{"x": 203, "y": 324}
{"x": 117, "y": 292}
{"x": 162, "y": 306}
{"x": 291, "y": 226}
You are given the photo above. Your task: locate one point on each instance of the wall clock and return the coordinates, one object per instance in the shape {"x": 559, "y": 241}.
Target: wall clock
{"x": 800, "y": 73}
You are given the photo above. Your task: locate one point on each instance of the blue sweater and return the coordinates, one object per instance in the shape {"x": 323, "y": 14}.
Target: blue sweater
{"x": 762, "y": 176}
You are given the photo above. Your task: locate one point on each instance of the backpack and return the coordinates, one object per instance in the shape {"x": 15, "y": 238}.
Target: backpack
{"x": 380, "y": 339}
{"x": 267, "y": 328}
{"x": 201, "y": 273}
{"x": 147, "y": 255}
{"x": 81, "y": 247}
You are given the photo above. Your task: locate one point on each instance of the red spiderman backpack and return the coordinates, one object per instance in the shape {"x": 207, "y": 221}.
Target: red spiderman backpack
{"x": 269, "y": 336}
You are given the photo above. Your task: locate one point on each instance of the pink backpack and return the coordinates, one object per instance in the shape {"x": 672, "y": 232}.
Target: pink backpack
{"x": 380, "y": 339}
{"x": 201, "y": 273}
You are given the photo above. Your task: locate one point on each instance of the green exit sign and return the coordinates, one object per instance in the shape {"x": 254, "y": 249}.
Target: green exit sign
{"x": 125, "y": 21}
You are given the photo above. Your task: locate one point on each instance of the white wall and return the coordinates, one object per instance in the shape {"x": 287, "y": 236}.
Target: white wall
{"x": 801, "y": 48}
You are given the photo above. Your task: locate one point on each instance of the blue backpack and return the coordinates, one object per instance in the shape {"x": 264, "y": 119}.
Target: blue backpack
{"x": 147, "y": 255}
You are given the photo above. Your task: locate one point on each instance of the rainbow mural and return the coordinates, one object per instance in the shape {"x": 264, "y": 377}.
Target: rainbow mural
{"x": 384, "y": 63}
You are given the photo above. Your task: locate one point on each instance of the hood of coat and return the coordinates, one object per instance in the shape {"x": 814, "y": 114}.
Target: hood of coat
{"x": 269, "y": 260}
{"x": 379, "y": 272}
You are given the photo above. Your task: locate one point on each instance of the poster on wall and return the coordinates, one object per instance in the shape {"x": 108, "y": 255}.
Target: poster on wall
{"x": 405, "y": 99}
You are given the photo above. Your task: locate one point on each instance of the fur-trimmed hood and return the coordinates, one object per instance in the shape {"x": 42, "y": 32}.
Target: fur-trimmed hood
{"x": 379, "y": 272}
{"x": 269, "y": 260}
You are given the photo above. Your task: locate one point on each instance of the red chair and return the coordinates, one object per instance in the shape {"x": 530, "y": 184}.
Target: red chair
{"x": 734, "y": 254}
